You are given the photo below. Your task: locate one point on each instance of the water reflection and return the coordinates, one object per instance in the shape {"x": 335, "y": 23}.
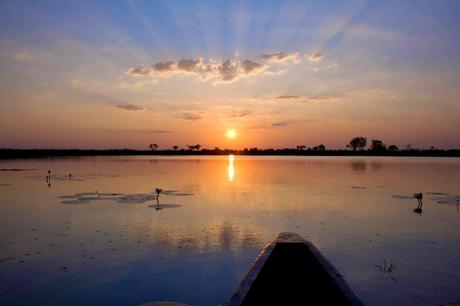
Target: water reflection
{"x": 231, "y": 169}
{"x": 211, "y": 240}
{"x": 358, "y": 166}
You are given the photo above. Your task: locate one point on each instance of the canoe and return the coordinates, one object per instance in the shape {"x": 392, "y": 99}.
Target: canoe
{"x": 291, "y": 271}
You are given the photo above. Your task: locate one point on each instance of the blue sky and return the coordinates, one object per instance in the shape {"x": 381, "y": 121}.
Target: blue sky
{"x": 128, "y": 73}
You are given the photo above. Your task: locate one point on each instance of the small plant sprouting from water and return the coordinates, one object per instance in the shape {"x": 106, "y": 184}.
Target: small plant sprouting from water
{"x": 158, "y": 191}
{"x": 387, "y": 269}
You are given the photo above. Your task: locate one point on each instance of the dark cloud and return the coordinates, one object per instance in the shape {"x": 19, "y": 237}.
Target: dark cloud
{"x": 220, "y": 72}
{"x": 228, "y": 70}
{"x": 316, "y": 98}
{"x": 249, "y": 67}
{"x": 287, "y": 97}
{"x": 242, "y": 113}
{"x": 189, "y": 116}
{"x": 281, "y": 123}
{"x": 321, "y": 98}
{"x": 165, "y": 66}
{"x": 130, "y": 107}
{"x": 188, "y": 65}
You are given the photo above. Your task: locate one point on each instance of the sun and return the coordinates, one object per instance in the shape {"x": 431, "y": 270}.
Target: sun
{"x": 231, "y": 134}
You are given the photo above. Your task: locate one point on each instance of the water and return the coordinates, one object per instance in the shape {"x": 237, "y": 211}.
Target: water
{"x": 103, "y": 248}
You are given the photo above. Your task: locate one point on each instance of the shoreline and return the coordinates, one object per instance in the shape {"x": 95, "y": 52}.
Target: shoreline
{"x": 52, "y": 153}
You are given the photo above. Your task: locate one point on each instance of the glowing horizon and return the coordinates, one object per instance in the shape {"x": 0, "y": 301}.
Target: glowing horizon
{"x": 279, "y": 74}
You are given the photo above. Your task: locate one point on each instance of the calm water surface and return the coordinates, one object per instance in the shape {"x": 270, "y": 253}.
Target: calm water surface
{"x": 96, "y": 240}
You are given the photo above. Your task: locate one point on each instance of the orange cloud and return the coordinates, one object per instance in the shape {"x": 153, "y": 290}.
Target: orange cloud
{"x": 315, "y": 57}
{"x": 281, "y": 57}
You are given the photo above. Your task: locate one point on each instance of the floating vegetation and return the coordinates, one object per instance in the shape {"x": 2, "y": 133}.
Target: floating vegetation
{"x": 403, "y": 197}
{"x": 442, "y": 198}
{"x": 76, "y": 201}
{"x": 87, "y": 197}
{"x": 447, "y": 199}
{"x": 177, "y": 193}
{"x": 358, "y": 187}
{"x": 437, "y": 193}
{"x": 137, "y": 198}
{"x": 72, "y": 177}
{"x": 162, "y": 206}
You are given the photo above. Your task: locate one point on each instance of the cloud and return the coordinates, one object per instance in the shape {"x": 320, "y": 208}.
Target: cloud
{"x": 219, "y": 72}
{"x": 315, "y": 57}
{"x": 151, "y": 131}
{"x": 281, "y": 123}
{"x": 241, "y": 113}
{"x": 319, "y": 98}
{"x": 305, "y": 99}
{"x": 287, "y": 97}
{"x": 281, "y": 57}
{"x": 188, "y": 65}
{"x": 130, "y": 107}
{"x": 165, "y": 66}
{"x": 139, "y": 71}
{"x": 250, "y": 67}
{"x": 189, "y": 116}
{"x": 76, "y": 83}
{"x": 24, "y": 56}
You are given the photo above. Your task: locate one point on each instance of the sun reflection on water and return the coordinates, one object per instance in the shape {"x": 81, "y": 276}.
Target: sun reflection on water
{"x": 231, "y": 169}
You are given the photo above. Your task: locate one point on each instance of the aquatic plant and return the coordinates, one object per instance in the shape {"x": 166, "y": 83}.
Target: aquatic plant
{"x": 158, "y": 191}
{"x": 387, "y": 269}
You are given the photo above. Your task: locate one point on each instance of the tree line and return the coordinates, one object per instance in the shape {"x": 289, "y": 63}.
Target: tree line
{"x": 357, "y": 146}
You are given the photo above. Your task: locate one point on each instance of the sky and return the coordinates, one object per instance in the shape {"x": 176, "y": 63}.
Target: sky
{"x": 124, "y": 74}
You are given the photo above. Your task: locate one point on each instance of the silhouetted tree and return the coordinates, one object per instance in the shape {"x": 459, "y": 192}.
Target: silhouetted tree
{"x": 301, "y": 148}
{"x": 175, "y": 147}
{"x": 357, "y": 143}
{"x": 153, "y": 146}
{"x": 377, "y": 145}
{"x": 194, "y": 147}
{"x": 393, "y": 148}
{"x": 319, "y": 148}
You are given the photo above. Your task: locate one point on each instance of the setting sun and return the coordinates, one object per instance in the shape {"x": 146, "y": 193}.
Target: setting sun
{"x": 231, "y": 134}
